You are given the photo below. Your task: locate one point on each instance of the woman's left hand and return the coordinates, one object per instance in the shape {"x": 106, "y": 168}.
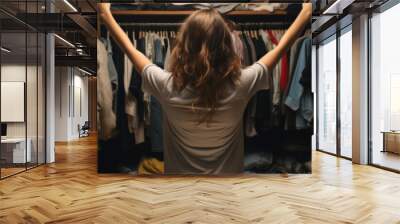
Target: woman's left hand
{"x": 104, "y": 7}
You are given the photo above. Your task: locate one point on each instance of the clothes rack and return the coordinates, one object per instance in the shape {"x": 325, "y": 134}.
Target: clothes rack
{"x": 239, "y": 26}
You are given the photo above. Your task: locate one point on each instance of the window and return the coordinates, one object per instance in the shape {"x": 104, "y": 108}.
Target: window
{"x": 327, "y": 96}
{"x": 385, "y": 89}
{"x": 346, "y": 93}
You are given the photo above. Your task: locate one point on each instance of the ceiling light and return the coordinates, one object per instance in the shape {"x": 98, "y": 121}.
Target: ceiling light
{"x": 70, "y": 5}
{"x": 84, "y": 71}
{"x": 337, "y": 7}
{"x": 5, "y": 50}
{"x": 332, "y": 8}
{"x": 65, "y": 41}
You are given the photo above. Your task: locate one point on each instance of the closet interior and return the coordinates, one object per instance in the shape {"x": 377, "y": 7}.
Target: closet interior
{"x": 278, "y": 123}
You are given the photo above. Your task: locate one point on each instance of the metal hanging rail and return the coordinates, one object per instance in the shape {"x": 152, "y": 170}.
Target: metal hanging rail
{"x": 150, "y": 25}
{"x": 188, "y": 12}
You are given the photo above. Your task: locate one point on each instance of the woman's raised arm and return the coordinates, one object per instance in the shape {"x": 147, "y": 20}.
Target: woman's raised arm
{"x": 272, "y": 57}
{"x": 138, "y": 59}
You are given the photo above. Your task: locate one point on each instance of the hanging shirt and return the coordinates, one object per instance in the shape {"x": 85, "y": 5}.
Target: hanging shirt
{"x": 167, "y": 55}
{"x": 156, "y": 114}
{"x": 135, "y": 126}
{"x": 238, "y": 45}
{"x": 296, "y": 88}
{"x": 299, "y": 98}
{"x": 290, "y": 115}
{"x": 250, "y": 114}
{"x": 215, "y": 147}
{"x": 284, "y": 63}
{"x": 276, "y": 74}
{"x": 245, "y": 53}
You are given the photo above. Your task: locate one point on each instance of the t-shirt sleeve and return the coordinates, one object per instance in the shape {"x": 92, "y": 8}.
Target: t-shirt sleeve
{"x": 154, "y": 80}
{"x": 255, "y": 78}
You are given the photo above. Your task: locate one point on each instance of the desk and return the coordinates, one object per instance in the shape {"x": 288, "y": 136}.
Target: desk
{"x": 391, "y": 141}
{"x": 13, "y": 150}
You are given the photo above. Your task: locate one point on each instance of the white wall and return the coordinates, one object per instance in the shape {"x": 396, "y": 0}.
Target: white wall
{"x": 61, "y": 103}
{"x": 71, "y": 93}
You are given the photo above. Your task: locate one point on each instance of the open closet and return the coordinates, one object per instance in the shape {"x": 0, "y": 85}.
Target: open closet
{"x": 277, "y": 124}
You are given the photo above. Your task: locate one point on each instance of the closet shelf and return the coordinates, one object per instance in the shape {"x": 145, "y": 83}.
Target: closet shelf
{"x": 188, "y": 12}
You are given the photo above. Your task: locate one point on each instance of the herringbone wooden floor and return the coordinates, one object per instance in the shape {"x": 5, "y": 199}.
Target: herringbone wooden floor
{"x": 71, "y": 191}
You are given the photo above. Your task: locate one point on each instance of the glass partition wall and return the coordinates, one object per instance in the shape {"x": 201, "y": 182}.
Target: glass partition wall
{"x": 22, "y": 78}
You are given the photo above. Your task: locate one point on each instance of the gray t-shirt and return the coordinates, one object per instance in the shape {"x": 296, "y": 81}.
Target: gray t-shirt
{"x": 213, "y": 147}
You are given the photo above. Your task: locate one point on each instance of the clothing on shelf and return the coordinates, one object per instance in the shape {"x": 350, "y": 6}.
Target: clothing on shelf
{"x": 270, "y": 7}
{"x": 221, "y": 7}
{"x": 150, "y": 166}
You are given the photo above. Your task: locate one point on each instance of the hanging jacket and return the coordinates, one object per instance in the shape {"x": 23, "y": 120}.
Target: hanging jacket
{"x": 300, "y": 99}
{"x": 296, "y": 88}
{"x": 290, "y": 115}
{"x": 106, "y": 75}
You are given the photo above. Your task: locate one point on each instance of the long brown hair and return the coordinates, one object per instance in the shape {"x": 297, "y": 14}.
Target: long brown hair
{"x": 204, "y": 58}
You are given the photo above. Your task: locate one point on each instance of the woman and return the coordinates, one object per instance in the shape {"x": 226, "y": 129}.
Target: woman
{"x": 205, "y": 93}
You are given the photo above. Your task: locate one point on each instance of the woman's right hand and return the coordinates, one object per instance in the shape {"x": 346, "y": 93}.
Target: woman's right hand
{"x": 307, "y": 7}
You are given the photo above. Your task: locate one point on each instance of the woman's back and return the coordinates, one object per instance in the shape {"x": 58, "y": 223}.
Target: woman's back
{"x": 214, "y": 146}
